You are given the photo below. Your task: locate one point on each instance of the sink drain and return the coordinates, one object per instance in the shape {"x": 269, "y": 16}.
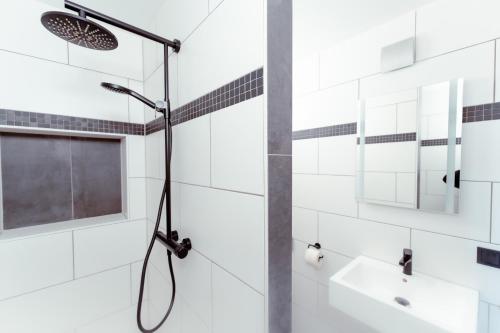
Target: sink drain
{"x": 402, "y": 301}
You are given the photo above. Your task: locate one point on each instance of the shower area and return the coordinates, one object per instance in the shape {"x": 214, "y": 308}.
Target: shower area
{"x": 137, "y": 163}
{"x": 162, "y": 170}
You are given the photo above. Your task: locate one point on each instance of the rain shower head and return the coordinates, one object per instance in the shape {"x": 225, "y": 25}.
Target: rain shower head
{"x": 122, "y": 90}
{"x": 79, "y": 30}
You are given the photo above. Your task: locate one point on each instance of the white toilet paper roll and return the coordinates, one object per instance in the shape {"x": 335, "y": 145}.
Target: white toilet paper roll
{"x": 314, "y": 257}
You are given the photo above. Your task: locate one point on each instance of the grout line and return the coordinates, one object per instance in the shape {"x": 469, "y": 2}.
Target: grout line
{"x": 67, "y": 282}
{"x": 67, "y": 52}
{"x": 318, "y": 159}
{"x": 495, "y": 72}
{"x": 212, "y": 297}
{"x": 215, "y": 188}
{"x": 131, "y": 288}
{"x": 417, "y": 61}
{"x": 210, "y": 150}
{"x": 73, "y": 250}
{"x": 491, "y": 213}
{"x": 65, "y": 64}
{"x": 398, "y": 225}
{"x": 71, "y": 177}
{"x": 411, "y": 238}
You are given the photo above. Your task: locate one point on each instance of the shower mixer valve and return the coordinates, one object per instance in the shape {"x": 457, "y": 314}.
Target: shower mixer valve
{"x": 172, "y": 244}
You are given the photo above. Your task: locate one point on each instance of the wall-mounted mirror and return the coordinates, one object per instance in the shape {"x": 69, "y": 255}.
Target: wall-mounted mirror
{"x": 409, "y": 148}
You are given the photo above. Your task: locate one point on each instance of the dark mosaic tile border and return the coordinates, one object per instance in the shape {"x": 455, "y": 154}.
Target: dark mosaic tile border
{"x": 244, "y": 88}
{"x": 52, "y": 121}
{"x": 438, "y": 142}
{"x": 390, "y": 138}
{"x": 481, "y": 112}
{"x": 154, "y": 126}
{"x": 320, "y": 132}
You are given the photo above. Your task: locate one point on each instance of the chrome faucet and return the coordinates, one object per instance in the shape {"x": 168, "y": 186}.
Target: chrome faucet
{"x": 406, "y": 261}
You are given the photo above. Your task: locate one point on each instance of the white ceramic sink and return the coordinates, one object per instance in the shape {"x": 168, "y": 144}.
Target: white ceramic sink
{"x": 366, "y": 289}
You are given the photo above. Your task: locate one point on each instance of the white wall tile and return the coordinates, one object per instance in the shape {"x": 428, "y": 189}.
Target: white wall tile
{"x": 494, "y": 319}
{"x": 173, "y": 63}
{"x": 135, "y": 275}
{"x": 305, "y": 292}
{"x": 379, "y": 186}
{"x": 434, "y": 158}
{"x": 333, "y": 194}
{"x": 305, "y": 225}
{"x": 472, "y": 222}
{"x": 497, "y": 74}
{"x": 232, "y": 57}
{"x": 30, "y": 37}
{"x": 381, "y": 120}
{"x": 101, "y": 248}
{"x": 391, "y": 157}
{"x": 406, "y": 187}
{"x": 360, "y": 56}
{"x": 431, "y": 250}
{"x": 194, "y": 278}
{"x": 226, "y": 227}
{"x": 190, "y": 322}
{"x": 69, "y": 305}
{"x": 173, "y": 323}
{"x": 188, "y": 15}
{"x": 123, "y": 322}
{"x": 483, "y": 318}
{"x": 191, "y": 152}
{"x": 151, "y": 55}
{"x": 337, "y": 155}
{"x": 495, "y": 214}
{"x": 124, "y": 61}
{"x": 160, "y": 290}
{"x": 58, "y": 89}
{"x": 237, "y": 147}
{"x": 34, "y": 263}
{"x": 213, "y": 4}
{"x": 155, "y": 152}
{"x": 247, "y": 316}
{"x": 154, "y": 188}
{"x": 136, "y": 154}
{"x": 438, "y": 32}
{"x": 475, "y": 64}
{"x": 154, "y": 90}
{"x": 305, "y": 156}
{"x": 353, "y": 237}
{"x": 481, "y": 142}
{"x": 137, "y": 198}
{"x": 305, "y": 75}
{"x": 332, "y": 263}
{"x": 136, "y": 108}
{"x": 331, "y": 106}
{"x": 407, "y": 117}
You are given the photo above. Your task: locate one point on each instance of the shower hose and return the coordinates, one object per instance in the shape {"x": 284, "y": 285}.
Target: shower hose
{"x": 168, "y": 158}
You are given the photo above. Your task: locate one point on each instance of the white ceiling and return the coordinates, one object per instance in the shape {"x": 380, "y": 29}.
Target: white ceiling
{"x": 135, "y": 12}
{"x": 320, "y": 22}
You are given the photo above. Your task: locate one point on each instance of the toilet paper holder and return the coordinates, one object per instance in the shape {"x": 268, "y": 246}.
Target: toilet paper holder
{"x": 317, "y": 246}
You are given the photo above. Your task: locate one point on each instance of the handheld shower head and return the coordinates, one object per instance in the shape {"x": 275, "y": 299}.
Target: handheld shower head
{"x": 122, "y": 90}
{"x": 79, "y": 30}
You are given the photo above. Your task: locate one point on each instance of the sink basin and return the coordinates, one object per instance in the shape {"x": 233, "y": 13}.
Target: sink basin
{"x": 381, "y": 296}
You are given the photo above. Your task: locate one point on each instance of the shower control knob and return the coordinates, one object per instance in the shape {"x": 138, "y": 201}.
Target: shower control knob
{"x": 187, "y": 243}
{"x": 174, "y": 235}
